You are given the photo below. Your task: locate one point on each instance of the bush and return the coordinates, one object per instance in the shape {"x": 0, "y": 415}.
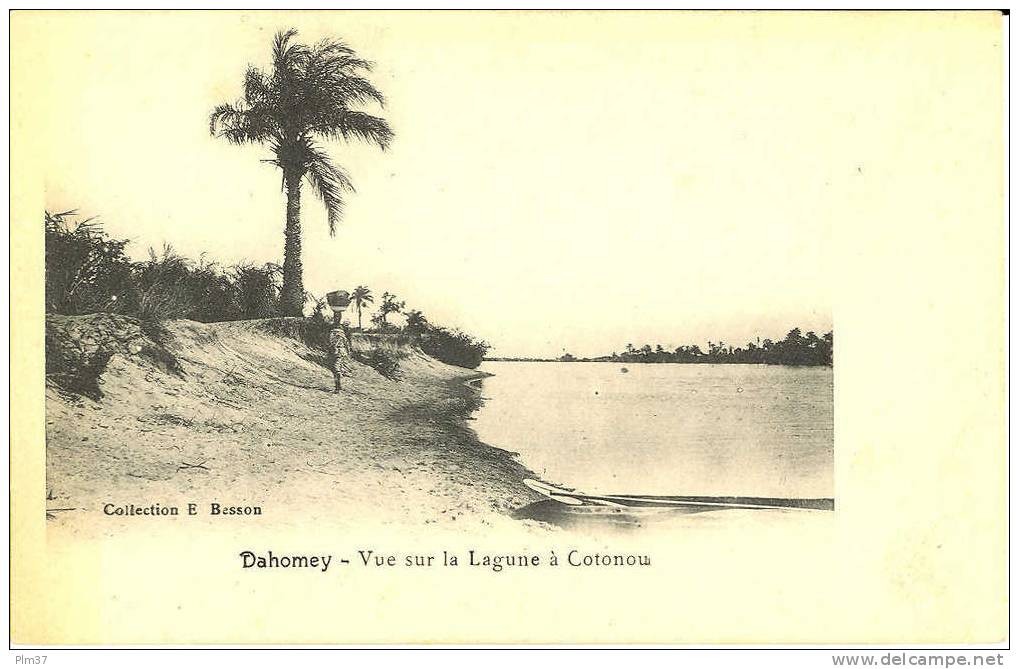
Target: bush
{"x": 313, "y": 332}
{"x": 211, "y": 293}
{"x": 79, "y": 350}
{"x": 161, "y": 286}
{"x": 258, "y": 289}
{"x": 384, "y": 362}
{"x": 74, "y": 367}
{"x": 86, "y": 271}
{"x": 452, "y": 346}
{"x": 171, "y": 286}
{"x": 381, "y": 325}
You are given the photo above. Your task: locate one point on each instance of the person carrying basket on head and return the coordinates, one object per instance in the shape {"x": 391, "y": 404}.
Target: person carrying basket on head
{"x": 339, "y": 346}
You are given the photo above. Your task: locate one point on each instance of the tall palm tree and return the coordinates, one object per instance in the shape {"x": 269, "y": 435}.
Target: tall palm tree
{"x": 305, "y": 99}
{"x": 360, "y": 297}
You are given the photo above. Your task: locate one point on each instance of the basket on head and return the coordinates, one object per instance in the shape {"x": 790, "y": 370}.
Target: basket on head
{"x": 338, "y": 300}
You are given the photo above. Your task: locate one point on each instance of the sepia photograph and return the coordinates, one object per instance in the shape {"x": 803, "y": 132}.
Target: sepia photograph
{"x": 217, "y": 357}
{"x": 385, "y": 307}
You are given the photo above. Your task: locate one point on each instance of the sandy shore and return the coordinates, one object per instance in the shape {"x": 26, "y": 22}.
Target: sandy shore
{"x": 244, "y": 416}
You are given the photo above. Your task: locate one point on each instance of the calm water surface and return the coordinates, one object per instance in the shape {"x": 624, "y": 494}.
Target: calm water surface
{"x": 665, "y": 429}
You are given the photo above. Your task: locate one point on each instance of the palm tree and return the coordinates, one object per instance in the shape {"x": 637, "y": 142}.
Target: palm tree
{"x": 360, "y": 297}
{"x": 305, "y": 99}
{"x": 389, "y": 305}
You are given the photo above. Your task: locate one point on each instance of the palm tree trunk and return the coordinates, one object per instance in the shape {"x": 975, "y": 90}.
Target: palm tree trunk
{"x": 359, "y": 316}
{"x": 292, "y": 291}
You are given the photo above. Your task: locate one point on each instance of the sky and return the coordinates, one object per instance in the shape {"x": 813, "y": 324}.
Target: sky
{"x": 558, "y": 182}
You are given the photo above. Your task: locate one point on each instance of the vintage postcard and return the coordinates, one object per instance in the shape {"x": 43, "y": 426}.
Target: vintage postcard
{"x": 508, "y": 327}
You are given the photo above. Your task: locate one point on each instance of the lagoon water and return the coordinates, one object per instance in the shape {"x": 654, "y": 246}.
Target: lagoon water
{"x": 665, "y": 429}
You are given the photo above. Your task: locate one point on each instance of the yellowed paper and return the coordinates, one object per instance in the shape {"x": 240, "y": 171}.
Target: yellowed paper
{"x": 557, "y": 182}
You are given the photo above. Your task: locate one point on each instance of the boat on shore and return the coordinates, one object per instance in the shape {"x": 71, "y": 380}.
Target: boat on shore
{"x": 688, "y": 503}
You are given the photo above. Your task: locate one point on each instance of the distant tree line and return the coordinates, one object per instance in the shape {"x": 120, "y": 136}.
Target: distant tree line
{"x": 796, "y": 349}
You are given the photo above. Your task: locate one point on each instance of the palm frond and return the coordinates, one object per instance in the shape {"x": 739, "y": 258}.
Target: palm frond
{"x": 281, "y": 41}
{"x": 329, "y": 181}
{"x": 223, "y": 116}
{"x": 332, "y": 58}
{"x": 287, "y": 56}
{"x": 347, "y": 124}
{"x": 257, "y": 88}
{"x": 241, "y": 123}
{"x": 329, "y": 46}
{"x": 349, "y": 88}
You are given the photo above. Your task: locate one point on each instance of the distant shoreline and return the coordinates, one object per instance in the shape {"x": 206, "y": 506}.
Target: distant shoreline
{"x": 653, "y": 362}
{"x": 795, "y": 350}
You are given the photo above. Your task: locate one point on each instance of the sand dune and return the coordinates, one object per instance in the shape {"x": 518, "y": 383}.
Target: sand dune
{"x": 243, "y": 414}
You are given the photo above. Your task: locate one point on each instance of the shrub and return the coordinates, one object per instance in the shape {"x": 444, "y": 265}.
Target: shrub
{"x": 161, "y": 286}
{"x": 313, "y": 332}
{"x": 74, "y": 367}
{"x": 171, "y": 286}
{"x": 258, "y": 289}
{"x": 85, "y": 270}
{"x": 318, "y": 313}
{"x": 379, "y": 324}
{"x": 384, "y": 362}
{"x": 88, "y": 272}
{"x": 453, "y": 346}
{"x": 79, "y": 350}
{"x": 212, "y": 293}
